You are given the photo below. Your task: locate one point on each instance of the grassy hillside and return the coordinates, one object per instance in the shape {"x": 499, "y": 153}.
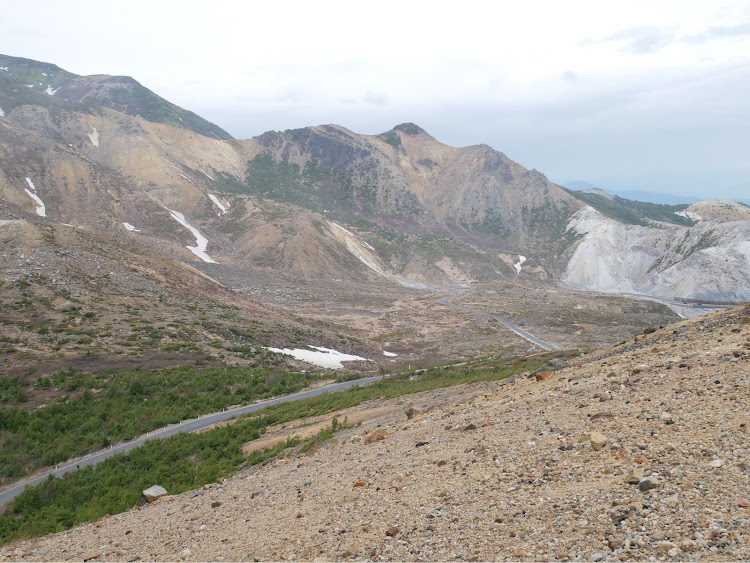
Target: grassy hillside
{"x": 634, "y": 212}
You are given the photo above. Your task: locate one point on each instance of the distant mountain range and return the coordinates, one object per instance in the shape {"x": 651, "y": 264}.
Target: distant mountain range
{"x": 640, "y": 195}
{"x": 107, "y": 155}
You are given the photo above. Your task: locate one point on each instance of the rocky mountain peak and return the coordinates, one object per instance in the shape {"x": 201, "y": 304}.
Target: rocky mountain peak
{"x": 410, "y": 129}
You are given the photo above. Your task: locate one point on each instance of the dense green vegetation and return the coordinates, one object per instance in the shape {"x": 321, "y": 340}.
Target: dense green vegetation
{"x": 111, "y": 406}
{"x": 634, "y": 212}
{"x": 315, "y": 187}
{"x": 187, "y": 461}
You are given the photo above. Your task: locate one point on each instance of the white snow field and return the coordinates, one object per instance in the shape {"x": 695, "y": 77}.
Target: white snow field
{"x": 94, "y": 136}
{"x": 215, "y": 199}
{"x": 323, "y": 357}
{"x": 41, "y": 210}
{"x": 201, "y": 242}
{"x": 517, "y": 265}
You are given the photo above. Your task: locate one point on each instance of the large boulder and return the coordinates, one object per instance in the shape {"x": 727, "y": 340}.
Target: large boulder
{"x": 151, "y": 494}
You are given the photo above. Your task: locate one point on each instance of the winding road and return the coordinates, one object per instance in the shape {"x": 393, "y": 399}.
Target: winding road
{"x": 448, "y": 301}
{"x": 191, "y": 425}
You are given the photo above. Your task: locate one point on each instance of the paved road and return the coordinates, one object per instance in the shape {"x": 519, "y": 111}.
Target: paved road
{"x": 191, "y": 425}
{"x": 507, "y": 324}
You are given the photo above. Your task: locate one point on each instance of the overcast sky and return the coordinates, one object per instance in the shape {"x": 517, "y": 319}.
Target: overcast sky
{"x": 651, "y": 95}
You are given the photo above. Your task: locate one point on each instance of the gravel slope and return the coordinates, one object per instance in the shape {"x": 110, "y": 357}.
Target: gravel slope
{"x": 510, "y": 474}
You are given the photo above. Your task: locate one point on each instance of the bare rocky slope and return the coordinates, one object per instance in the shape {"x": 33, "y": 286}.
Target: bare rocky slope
{"x": 634, "y": 452}
{"x": 105, "y": 154}
{"x": 707, "y": 261}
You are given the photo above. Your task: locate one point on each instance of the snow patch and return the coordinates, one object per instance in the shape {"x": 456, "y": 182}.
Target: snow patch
{"x": 2, "y": 113}
{"x": 50, "y": 91}
{"x": 186, "y": 178}
{"x": 323, "y": 357}
{"x": 130, "y": 227}
{"x": 201, "y": 242}
{"x": 207, "y": 176}
{"x": 215, "y": 199}
{"x": 342, "y": 228}
{"x": 389, "y": 354}
{"x": 94, "y": 136}
{"x": 362, "y": 254}
{"x": 40, "y": 210}
{"x": 517, "y": 265}
{"x": 29, "y": 86}
{"x": 689, "y": 215}
{"x": 5, "y": 68}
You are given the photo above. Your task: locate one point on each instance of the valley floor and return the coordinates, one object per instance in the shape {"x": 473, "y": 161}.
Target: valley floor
{"x": 511, "y": 473}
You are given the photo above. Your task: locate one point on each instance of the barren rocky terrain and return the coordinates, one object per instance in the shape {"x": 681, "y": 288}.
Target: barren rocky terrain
{"x": 634, "y": 452}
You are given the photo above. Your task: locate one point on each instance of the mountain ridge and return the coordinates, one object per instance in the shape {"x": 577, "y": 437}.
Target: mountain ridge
{"x": 66, "y": 90}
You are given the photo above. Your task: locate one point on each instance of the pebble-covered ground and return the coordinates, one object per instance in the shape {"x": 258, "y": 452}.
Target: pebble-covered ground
{"x": 639, "y": 452}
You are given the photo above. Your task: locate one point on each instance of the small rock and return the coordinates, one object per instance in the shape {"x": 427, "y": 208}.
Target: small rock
{"x": 543, "y": 375}
{"x": 666, "y": 545}
{"x": 411, "y": 412}
{"x": 635, "y": 475}
{"x": 672, "y": 501}
{"x": 614, "y": 543}
{"x": 185, "y": 553}
{"x": 648, "y": 483}
{"x": 91, "y": 556}
{"x": 641, "y": 459}
{"x": 392, "y": 531}
{"x": 376, "y": 436}
{"x": 216, "y": 504}
{"x": 360, "y": 484}
{"x": 717, "y": 463}
{"x": 470, "y": 426}
{"x": 674, "y": 552}
{"x": 597, "y": 440}
{"x": 658, "y": 535}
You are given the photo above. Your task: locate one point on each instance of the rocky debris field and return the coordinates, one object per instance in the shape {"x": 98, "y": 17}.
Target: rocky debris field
{"x": 638, "y": 452}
